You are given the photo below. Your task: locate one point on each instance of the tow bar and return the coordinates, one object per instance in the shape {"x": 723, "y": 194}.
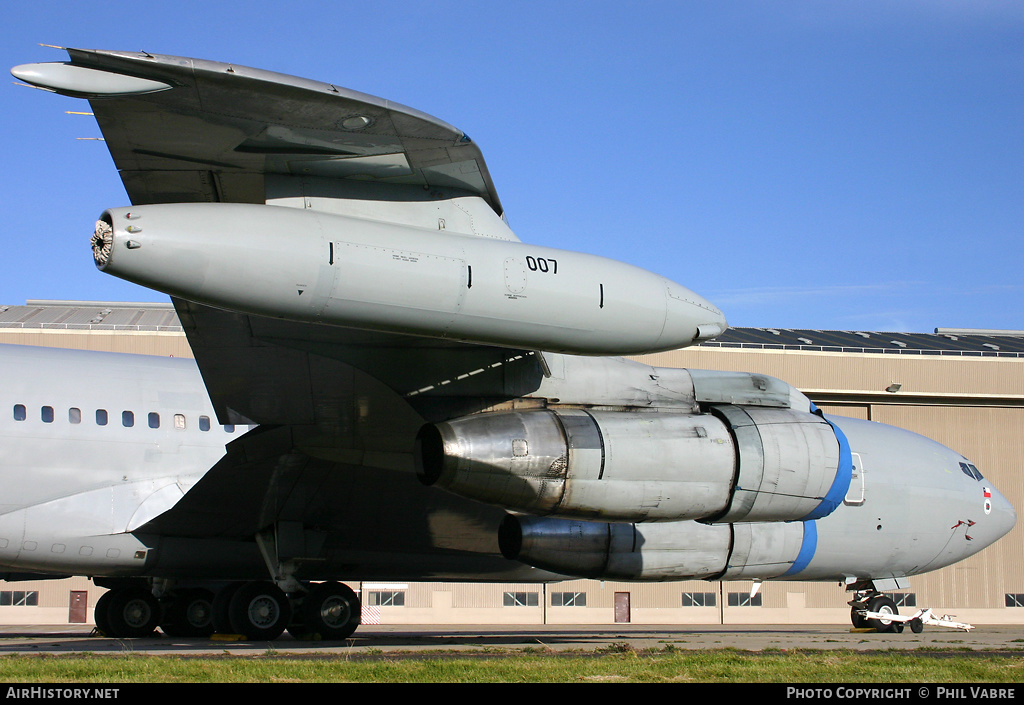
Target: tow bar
{"x": 918, "y": 620}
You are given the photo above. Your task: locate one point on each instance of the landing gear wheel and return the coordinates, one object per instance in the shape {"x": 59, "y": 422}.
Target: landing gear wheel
{"x": 221, "y": 602}
{"x": 132, "y": 613}
{"x": 857, "y": 617}
{"x": 189, "y": 614}
{"x": 883, "y": 605}
{"x": 331, "y": 611}
{"x": 100, "y": 613}
{"x": 259, "y": 610}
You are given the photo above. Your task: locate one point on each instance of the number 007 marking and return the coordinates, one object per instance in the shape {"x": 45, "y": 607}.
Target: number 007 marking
{"x": 542, "y": 264}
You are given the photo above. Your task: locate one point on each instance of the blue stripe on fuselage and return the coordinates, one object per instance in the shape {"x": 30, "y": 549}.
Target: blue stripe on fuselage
{"x": 807, "y": 548}
{"x": 844, "y": 475}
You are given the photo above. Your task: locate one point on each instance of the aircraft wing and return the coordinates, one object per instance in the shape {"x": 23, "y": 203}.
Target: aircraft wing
{"x": 184, "y": 130}
{"x": 187, "y": 130}
{"x": 404, "y": 198}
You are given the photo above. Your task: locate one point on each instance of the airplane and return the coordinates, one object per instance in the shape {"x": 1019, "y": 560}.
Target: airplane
{"x": 389, "y": 385}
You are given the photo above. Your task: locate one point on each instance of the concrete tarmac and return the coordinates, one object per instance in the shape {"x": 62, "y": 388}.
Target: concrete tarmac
{"x": 422, "y": 640}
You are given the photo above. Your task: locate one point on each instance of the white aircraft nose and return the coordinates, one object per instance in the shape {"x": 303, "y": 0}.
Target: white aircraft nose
{"x": 1000, "y": 519}
{"x": 991, "y": 516}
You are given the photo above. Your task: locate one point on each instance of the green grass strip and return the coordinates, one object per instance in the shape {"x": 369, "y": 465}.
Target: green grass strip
{"x": 669, "y": 666}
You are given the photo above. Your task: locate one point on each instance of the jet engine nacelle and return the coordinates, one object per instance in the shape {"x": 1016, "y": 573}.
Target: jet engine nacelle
{"x": 371, "y": 274}
{"x": 666, "y": 551}
{"x": 738, "y": 464}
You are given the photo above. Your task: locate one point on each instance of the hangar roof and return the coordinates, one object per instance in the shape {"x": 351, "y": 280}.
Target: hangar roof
{"x": 943, "y": 341}
{"x": 91, "y": 315}
{"x": 122, "y": 316}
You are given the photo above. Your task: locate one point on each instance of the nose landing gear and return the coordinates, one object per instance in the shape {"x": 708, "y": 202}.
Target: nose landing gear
{"x": 878, "y": 612}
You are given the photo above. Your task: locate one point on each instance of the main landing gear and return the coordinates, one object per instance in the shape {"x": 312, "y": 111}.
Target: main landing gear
{"x": 257, "y": 610}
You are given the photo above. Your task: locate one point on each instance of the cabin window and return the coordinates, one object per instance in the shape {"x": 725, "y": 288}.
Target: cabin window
{"x": 154, "y": 420}
{"x": 74, "y": 415}
{"x": 179, "y": 422}
{"x": 127, "y": 419}
{"x": 971, "y": 471}
{"x": 19, "y": 412}
{"x": 229, "y": 428}
{"x": 101, "y": 417}
{"x": 46, "y": 413}
{"x": 204, "y": 423}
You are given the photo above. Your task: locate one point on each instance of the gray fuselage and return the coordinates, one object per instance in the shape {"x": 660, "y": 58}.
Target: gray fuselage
{"x": 80, "y": 495}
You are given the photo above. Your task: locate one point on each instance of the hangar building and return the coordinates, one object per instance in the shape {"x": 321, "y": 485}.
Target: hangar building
{"x": 963, "y": 388}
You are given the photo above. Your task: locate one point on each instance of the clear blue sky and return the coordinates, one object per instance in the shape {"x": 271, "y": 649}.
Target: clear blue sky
{"x": 836, "y": 165}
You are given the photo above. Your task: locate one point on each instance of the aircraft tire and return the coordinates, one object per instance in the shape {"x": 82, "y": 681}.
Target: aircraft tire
{"x": 189, "y": 614}
{"x": 884, "y": 605}
{"x": 259, "y": 610}
{"x": 132, "y": 613}
{"x": 101, "y": 613}
{"x": 330, "y": 611}
{"x": 221, "y": 602}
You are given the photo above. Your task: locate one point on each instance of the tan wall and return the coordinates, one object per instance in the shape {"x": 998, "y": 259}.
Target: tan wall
{"x": 954, "y": 376}
{"x": 141, "y": 343}
{"x": 54, "y": 601}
